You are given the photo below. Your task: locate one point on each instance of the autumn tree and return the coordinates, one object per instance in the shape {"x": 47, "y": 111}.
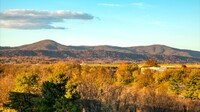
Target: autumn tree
{"x": 69, "y": 69}
{"x": 176, "y": 81}
{"x": 93, "y": 84}
{"x": 69, "y": 87}
{"x": 146, "y": 79}
{"x": 125, "y": 72}
{"x": 151, "y": 63}
{"x": 27, "y": 83}
{"x": 192, "y": 86}
{"x": 21, "y": 98}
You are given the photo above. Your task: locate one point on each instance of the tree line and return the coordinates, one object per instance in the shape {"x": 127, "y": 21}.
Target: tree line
{"x": 70, "y": 87}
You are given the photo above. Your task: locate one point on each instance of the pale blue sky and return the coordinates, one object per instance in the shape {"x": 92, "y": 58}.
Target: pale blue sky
{"x": 175, "y": 23}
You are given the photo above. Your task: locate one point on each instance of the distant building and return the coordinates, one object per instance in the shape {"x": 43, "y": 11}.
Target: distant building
{"x": 159, "y": 69}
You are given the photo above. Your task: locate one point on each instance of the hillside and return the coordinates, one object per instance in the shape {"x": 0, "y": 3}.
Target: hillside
{"x": 49, "y": 48}
{"x": 165, "y": 50}
{"x": 44, "y": 45}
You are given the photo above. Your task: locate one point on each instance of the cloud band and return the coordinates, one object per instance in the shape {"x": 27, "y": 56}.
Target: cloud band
{"x": 34, "y": 19}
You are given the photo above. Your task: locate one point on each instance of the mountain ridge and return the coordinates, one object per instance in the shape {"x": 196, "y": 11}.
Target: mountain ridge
{"x": 49, "y": 47}
{"x": 150, "y": 49}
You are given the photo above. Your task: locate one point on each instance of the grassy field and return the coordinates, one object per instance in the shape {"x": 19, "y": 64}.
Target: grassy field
{"x": 180, "y": 65}
{"x": 141, "y": 65}
{"x": 103, "y": 65}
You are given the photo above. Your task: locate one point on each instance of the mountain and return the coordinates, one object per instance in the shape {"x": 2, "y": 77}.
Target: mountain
{"x": 50, "y": 48}
{"x": 44, "y": 45}
{"x": 165, "y": 50}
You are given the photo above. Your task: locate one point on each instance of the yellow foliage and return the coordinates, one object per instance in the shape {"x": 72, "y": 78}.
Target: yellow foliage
{"x": 27, "y": 82}
{"x": 125, "y": 72}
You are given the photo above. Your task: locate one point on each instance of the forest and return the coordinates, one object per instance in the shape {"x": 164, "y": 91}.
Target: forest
{"x": 72, "y": 87}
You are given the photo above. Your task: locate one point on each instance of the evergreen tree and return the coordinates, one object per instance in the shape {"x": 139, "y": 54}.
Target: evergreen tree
{"x": 21, "y": 99}
{"x": 59, "y": 95}
{"x": 22, "y": 102}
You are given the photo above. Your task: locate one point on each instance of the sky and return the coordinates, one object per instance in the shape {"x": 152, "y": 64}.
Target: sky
{"x": 125, "y": 23}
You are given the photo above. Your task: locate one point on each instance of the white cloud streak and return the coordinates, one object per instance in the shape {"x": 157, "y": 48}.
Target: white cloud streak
{"x": 139, "y": 4}
{"x": 38, "y": 19}
{"x": 110, "y": 5}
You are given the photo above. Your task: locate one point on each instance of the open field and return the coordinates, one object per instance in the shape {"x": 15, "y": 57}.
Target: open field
{"x": 179, "y": 65}
{"x": 191, "y": 66}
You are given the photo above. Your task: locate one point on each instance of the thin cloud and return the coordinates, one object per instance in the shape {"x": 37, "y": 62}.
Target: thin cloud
{"x": 38, "y": 19}
{"x": 138, "y": 4}
{"x": 141, "y": 5}
{"x": 110, "y": 5}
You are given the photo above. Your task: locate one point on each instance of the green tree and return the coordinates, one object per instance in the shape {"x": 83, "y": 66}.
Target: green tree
{"x": 58, "y": 95}
{"x": 70, "y": 102}
{"x": 50, "y": 92}
{"x": 22, "y": 102}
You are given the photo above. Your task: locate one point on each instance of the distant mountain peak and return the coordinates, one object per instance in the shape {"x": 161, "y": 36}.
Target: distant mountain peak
{"x": 48, "y": 40}
{"x": 43, "y": 45}
{"x": 155, "y": 49}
